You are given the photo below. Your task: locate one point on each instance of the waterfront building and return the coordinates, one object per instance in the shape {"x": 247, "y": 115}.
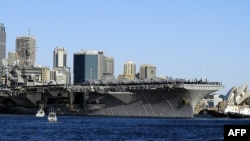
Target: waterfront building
{"x": 147, "y": 71}
{"x": 91, "y": 65}
{"x": 129, "y": 70}
{"x": 26, "y": 50}
{"x": 60, "y": 57}
{"x": 2, "y": 43}
{"x": 61, "y": 72}
{"x": 85, "y": 65}
{"x": 108, "y": 72}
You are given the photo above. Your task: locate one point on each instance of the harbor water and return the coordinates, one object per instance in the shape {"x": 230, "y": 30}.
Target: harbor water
{"x": 83, "y": 128}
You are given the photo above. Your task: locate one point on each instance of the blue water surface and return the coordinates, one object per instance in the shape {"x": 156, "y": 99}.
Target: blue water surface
{"x": 74, "y": 128}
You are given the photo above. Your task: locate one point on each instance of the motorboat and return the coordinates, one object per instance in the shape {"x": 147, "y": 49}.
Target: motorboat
{"x": 52, "y": 116}
{"x": 40, "y": 113}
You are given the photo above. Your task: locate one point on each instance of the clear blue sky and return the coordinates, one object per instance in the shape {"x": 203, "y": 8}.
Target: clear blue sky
{"x": 182, "y": 38}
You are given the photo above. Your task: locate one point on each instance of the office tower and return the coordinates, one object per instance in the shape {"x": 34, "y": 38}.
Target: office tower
{"x": 85, "y": 65}
{"x": 88, "y": 66}
{"x": 61, "y": 72}
{"x": 108, "y": 68}
{"x": 26, "y": 50}
{"x": 2, "y": 43}
{"x": 129, "y": 70}
{"x": 60, "y": 57}
{"x": 109, "y": 65}
{"x": 147, "y": 71}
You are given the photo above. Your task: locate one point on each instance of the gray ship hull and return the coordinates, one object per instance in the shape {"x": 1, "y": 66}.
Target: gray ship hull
{"x": 177, "y": 102}
{"x": 144, "y": 101}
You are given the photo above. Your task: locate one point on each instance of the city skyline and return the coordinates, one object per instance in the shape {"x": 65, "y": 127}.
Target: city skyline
{"x": 105, "y": 65}
{"x": 183, "y": 39}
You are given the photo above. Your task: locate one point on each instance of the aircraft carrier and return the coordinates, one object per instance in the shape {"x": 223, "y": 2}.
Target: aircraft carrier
{"x": 144, "y": 98}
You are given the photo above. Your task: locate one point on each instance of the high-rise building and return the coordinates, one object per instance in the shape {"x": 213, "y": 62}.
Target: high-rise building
{"x": 85, "y": 65}
{"x": 61, "y": 72}
{"x": 129, "y": 70}
{"x": 60, "y": 57}
{"x": 147, "y": 71}
{"x": 91, "y": 65}
{"x": 26, "y": 50}
{"x": 108, "y": 71}
{"x": 2, "y": 43}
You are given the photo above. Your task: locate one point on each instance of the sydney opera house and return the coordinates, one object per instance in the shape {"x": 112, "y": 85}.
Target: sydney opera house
{"x": 238, "y": 95}
{"x": 236, "y": 98}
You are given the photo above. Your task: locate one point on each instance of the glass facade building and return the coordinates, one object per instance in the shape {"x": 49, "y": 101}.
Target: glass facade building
{"x": 91, "y": 65}
{"x": 86, "y": 66}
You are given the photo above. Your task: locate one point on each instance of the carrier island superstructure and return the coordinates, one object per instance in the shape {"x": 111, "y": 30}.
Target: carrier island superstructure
{"x": 145, "y": 98}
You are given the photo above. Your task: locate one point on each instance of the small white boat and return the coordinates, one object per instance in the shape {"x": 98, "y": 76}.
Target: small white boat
{"x": 40, "y": 113}
{"x": 52, "y": 116}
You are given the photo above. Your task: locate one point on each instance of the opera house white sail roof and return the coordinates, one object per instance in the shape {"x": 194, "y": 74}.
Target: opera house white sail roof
{"x": 238, "y": 95}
